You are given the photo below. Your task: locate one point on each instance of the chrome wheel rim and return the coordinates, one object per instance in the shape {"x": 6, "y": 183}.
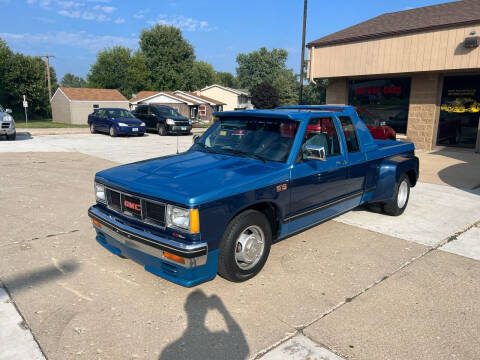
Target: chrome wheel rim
{"x": 402, "y": 194}
{"x": 249, "y": 247}
{"x": 112, "y": 131}
{"x": 92, "y": 129}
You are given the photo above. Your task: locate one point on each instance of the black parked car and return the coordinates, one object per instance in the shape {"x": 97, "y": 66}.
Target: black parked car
{"x": 163, "y": 119}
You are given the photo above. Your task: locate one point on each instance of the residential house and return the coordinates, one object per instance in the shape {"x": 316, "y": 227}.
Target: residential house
{"x": 234, "y": 99}
{"x": 189, "y": 104}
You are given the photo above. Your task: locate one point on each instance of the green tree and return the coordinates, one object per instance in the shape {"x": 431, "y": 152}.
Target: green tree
{"x": 6, "y": 56}
{"x": 287, "y": 87}
{"x": 260, "y": 66}
{"x": 169, "y": 57}
{"x": 117, "y": 68}
{"x": 265, "y": 96}
{"x": 226, "y": 79}
{"x": 70, "y": 80}
{"x": 201, "y": 74}
{"x": 314, "y": 94}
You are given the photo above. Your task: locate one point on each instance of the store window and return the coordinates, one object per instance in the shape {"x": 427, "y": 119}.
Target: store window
{"x": 386, "y": 99}
{"x": 459, "y": 111}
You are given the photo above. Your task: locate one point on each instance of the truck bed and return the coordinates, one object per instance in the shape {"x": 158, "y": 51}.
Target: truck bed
{"x": 387, "y": 148}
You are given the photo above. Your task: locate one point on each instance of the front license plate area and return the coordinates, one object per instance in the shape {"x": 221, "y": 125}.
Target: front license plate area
{"x": 184, "y": 128}
{"x": 135, "y": 129}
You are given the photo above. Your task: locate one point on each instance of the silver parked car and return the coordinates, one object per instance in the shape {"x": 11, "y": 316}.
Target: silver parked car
{"x": 7, "y": 124}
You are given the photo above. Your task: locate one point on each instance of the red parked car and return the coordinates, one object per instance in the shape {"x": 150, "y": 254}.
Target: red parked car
{"x": 379, "y": 129}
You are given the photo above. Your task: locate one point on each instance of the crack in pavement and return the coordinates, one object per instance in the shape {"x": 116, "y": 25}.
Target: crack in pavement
{"x": 375, "y": 283}
{"x": 40, "y": 238}
{"x": 299, "y": 330}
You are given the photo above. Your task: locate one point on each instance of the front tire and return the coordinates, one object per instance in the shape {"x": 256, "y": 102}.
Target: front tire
{"x": 12, "y": 137}
{"x": 399, "y": 203}
{"x": 92, "y": 128}
{"x": 245, "y": 246}
{"x": 161, "y": 130}
{"x": 112, "y": 132}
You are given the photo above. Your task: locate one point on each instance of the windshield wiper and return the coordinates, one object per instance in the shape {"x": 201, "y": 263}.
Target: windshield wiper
{"x": 244, "y": 153}
{"x": 208, "y": 148}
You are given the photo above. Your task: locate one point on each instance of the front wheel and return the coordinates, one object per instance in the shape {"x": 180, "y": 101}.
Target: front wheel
{"x": 112, "y": 131}
{"x": 161, "y": 130}
{"x": 245, "y": 246}
{"x": 92, "y": 128}
{"x": 399, "y": 202}
{"x": 12, "y": 137}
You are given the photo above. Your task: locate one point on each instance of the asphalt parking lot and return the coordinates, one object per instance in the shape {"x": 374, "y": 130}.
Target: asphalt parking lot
{"x": 363, "y": 286}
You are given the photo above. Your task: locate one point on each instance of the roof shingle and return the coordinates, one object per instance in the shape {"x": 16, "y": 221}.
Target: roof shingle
{"x": 87, "y": 94}
{"x": 450, "y": 14}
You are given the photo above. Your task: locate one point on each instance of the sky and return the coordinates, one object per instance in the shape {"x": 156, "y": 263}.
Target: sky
{"x": 75, "y": 30}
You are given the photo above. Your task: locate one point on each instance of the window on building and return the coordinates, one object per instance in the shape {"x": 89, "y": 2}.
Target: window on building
{"x": 385, "y": 99}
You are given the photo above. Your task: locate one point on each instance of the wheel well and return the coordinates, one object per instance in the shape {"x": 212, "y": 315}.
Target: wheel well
{"x": 412, "y": 177}
{"x": 271, "y": 211}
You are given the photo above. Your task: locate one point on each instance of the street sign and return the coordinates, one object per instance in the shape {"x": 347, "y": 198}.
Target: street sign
{"x": 25, "y": 104}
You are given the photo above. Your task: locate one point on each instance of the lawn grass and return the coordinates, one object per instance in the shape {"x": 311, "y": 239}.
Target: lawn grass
{"x": 45, "y": 124}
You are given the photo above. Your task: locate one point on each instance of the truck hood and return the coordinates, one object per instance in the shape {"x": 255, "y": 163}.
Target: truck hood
{"x": 194, "y": 177}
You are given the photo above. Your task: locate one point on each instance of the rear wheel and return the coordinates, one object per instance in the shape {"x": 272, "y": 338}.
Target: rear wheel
{"x": 161, "y": 130}
{"x": 399, "y": 202}
{"x": 112, "y": 131}
{"x": 12, "y": 137}
{"x": 245, "y": 246}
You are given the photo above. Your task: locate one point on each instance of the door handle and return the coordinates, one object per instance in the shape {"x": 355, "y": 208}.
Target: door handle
{"x": 343, "y": 162}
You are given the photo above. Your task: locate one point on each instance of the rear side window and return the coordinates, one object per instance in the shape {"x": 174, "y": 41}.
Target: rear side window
{"x": 322, "y": 132}
{"x": 350, "y": 134}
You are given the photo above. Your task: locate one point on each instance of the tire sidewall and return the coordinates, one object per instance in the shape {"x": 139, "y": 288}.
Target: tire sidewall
{"x": 92, "y": 128}
{"x": 112, "y": 132}
{"x": 161, "y": 129}
{"x": 228, "y": 267}
{"x": 392, "y": 208}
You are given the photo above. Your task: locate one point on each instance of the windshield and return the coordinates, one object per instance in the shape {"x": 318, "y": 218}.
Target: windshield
{"x": 119, "y": 113}
{"x": 260, "y": 138}
{"x": 2, "y": 109}
{"x": 170, "y": 112}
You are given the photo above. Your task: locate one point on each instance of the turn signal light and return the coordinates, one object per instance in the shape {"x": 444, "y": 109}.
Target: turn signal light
{"x": 97, "y": 223}
{"x": 174, "y": 257}
{"x": 194, "y": 221}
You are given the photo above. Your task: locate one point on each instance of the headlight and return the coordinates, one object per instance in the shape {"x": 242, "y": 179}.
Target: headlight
{"x": 7, "y": 118}
{"x": 142, "y": 124}
{"x": 122, "y": 124}
{"x": 186, "y": 219}
{"x": 100, "y": 192}
{"x": 170, "y": 122}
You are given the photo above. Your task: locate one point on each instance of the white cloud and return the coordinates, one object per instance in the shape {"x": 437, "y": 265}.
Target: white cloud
{"x": 182, "y": 22}
{"x": 139, "y": 15}
{"x": 78, "y": 9}
{"x": 119, "y": 20}
{"x": 80, "y": 39}
{"x": 105, "y": 9}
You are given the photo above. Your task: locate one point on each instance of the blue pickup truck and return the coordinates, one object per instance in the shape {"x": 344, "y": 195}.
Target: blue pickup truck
{"x": 253, "y": 178}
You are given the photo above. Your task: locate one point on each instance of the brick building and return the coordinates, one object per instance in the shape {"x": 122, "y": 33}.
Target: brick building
{"x": 418, "y": 70}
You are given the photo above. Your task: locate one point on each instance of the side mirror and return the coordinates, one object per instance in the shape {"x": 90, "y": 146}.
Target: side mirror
{"x": 314, "y": 152}
{"x": 195, "y": 138}
{"x": 8, "y": 111}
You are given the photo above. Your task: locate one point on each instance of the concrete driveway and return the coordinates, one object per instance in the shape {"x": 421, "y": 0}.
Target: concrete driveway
{"x": 364, "y": 286}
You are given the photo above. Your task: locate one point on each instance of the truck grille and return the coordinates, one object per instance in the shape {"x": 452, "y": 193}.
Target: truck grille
{"x": 181, "y": 123}
{"x": 150, "y": 211}
{"x": 5, "y": 125}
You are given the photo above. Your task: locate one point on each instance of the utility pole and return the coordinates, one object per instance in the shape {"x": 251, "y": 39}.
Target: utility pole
{"x": 302, "y": 60}
{"x": 49, "y": 81}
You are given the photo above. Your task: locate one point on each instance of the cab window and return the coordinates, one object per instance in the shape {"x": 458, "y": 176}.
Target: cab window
{"x": 321, "y": 132}
{"x": 350, "y": 134}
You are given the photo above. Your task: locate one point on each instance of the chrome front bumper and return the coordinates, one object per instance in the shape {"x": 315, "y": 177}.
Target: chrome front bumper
{"x": 193, "y": 254}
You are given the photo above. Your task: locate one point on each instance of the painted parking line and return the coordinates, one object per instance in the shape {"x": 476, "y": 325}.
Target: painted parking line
{"x": 300, "y": 348}
{"x": 16, "y": 342}
{"x": 467, "y": 244}
{"x": 434, "y": 213}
